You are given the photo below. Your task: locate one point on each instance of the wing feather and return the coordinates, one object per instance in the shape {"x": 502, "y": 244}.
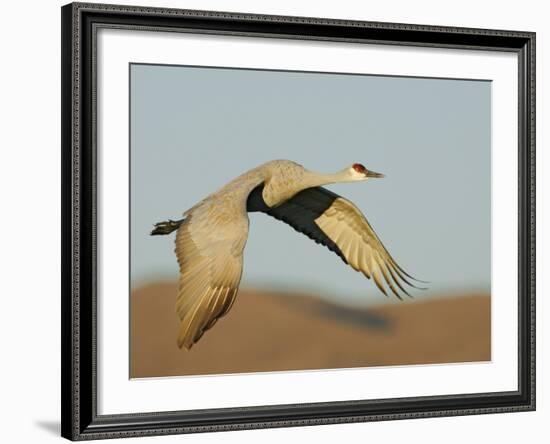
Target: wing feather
{"x": 344, "y": 223}
{"x": 209, "y": 246}
{"x": 336, "y": 223}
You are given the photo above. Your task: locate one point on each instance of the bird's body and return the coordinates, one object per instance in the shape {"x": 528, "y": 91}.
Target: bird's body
{"x": 211, "y": 238}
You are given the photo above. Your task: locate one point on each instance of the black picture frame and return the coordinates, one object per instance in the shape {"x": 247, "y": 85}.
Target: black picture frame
{"x": 79, "y": 169}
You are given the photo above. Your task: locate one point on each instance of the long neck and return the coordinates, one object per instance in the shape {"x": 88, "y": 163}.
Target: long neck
{"x": 314, "y": 179}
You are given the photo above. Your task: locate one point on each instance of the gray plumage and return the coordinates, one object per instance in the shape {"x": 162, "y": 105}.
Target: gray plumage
{"x": 212, "y": 235}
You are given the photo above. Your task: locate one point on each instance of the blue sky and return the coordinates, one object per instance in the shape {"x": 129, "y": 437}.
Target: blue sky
{"x": 193, "y": 129}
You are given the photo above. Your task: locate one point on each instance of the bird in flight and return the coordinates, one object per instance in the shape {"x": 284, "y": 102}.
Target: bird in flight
{"x": 211, "y": 236}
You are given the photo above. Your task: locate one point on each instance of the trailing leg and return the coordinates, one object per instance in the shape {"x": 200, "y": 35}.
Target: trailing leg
{"x": 166, "y": 227}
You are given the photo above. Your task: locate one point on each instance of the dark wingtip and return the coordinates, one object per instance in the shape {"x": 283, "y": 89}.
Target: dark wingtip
{"x": 420, "y": 280}
{"x": 415, "y": 279}
{"x": 402, "y": 273}
{"x": 397, "y": 294}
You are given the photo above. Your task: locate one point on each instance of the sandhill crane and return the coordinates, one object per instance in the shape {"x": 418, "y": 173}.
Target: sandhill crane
{"x": 212, "y": 234}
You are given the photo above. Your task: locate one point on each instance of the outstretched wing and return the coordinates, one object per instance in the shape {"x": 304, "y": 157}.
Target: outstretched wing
{"x": 209, "y": 246}
{"x": 336, "y": 223}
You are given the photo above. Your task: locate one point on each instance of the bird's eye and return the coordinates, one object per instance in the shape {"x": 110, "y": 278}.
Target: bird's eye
{"x": 359, "y": 168}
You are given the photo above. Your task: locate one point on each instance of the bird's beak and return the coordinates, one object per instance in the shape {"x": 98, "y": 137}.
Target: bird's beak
{"x": 374, "y": 174}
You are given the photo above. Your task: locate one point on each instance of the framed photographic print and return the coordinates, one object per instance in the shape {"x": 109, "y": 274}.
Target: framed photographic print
{"x": 276, "y": 221}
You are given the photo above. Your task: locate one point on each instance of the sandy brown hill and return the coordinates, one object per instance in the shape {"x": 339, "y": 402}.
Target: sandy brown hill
{"x": 273, "y": 332}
